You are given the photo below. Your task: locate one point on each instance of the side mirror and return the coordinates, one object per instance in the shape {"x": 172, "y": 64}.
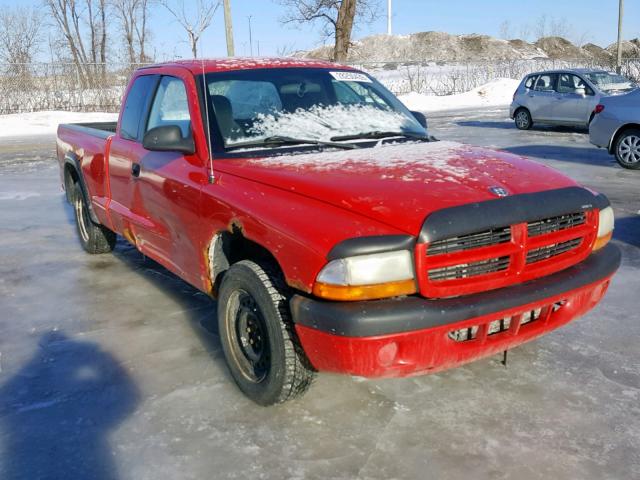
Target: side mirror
{"x": 168, "y": 138}
{"x": 581, "y": 91}
{"x": 420, "y": 118}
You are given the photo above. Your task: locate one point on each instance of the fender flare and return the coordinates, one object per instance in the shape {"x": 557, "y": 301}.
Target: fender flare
{"x": 73, "y": 161}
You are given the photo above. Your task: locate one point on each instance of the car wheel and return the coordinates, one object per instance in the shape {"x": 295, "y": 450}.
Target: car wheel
{"x": 93, "y": 238}
{"x": 523, "y": 120}
{"x": 257, "y": 335}
{"x": 627, "y": 149}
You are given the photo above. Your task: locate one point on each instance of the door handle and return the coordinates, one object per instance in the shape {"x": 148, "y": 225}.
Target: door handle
{"x": 135, "y": 169}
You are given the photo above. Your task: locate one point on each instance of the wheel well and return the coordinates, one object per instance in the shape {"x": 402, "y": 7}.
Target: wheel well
{"x": 70, "y": 177}
{"x": 228, "y": 248}
{"x": 621, "y": 130}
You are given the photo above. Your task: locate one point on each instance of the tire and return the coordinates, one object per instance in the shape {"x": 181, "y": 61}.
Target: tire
{"x": 523, "y": 120}
{"x": 257, "y": 335}
{"x": 94, "y": 238}
{"x": 627, "y": 149}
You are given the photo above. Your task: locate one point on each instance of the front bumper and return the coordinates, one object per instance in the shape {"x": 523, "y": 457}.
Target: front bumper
{"x": 411, "y": 335}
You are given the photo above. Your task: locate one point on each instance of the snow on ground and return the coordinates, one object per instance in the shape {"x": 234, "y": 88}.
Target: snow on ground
{"x": 46, "y": 122}
{"x": 496, "y": 93}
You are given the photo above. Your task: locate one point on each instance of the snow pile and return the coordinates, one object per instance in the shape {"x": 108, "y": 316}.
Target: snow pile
{"x": 46, "y": 123}
{"x": 496, "y": 93}
{"x": 323, "y": 122}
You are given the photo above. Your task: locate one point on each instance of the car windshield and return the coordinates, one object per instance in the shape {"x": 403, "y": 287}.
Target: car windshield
{"x": 276, "y": 107}
{"x": 610, "y": 81}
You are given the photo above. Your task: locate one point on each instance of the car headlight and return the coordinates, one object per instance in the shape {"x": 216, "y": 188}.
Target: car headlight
{"x": 365, "y": 277}
{"x": 605, "y": 228}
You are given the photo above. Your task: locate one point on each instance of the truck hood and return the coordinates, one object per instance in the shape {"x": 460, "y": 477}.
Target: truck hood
{"x": 399, "y": 184}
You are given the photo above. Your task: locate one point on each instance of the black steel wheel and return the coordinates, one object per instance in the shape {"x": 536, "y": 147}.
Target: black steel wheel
{"x": 257, "y": 335}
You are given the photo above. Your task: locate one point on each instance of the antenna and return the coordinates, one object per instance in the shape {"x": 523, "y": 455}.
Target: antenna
{"x": 212, "y": 177}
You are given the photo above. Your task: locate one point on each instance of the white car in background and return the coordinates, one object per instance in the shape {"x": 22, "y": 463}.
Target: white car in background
{"x": 564, "y": 97}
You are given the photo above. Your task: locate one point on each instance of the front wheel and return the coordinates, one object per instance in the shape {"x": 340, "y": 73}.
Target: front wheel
{"x": 257, "y": 335}
{"x": 627, "y": 149}
{"x": 523, "y": 119}
{"x": 94, "y": 238}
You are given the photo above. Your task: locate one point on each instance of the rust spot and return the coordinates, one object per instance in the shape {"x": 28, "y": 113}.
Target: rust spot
{"x": 298, "y": 285}
{"x": 235, "y": 226}
{"x": 129, "y": 237}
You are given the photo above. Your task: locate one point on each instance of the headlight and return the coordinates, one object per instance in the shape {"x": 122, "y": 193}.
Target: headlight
{"x": 365, "y": 277}
{"x": 605, "y": 228}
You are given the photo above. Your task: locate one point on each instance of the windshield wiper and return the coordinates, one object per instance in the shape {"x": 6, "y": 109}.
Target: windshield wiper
{"x": 379, "y": 134}
{"x": 281, "y": 140}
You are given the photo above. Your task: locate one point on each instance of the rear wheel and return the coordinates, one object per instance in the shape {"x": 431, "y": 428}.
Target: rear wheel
{"x": 257, "y": 335}
{"x": 94, "y": 238}
{"x": 523, "y": 120}
{"x": 627, "y": 149}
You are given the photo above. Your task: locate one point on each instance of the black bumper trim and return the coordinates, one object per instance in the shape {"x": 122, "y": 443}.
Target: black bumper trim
{"x": 397, "y": 315}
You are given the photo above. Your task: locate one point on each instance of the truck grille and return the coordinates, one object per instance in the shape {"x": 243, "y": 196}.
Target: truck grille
{"x": 502, "y": 256}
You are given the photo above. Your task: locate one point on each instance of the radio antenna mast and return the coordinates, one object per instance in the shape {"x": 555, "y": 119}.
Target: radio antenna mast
{"x": 212, "y": 177}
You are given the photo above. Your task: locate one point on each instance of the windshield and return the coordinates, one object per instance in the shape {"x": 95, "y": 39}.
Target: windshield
{"x": 610, "y": 81}
{"x": 252, "y": 106}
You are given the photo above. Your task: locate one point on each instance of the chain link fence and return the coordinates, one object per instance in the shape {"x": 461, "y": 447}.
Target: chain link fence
{"x": 99, "y": 87}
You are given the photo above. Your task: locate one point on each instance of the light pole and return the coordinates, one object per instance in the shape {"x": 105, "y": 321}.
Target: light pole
{"x": 228, "y": 28}
{"x": 389, "y": 17}
{"x": 620, "y": 14}
{"x": 250, "y": 36}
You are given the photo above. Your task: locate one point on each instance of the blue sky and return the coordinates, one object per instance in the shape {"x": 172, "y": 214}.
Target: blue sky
{"x": 596, "y": 20}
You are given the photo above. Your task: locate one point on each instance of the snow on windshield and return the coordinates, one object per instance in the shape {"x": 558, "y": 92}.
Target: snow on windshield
{"x": 323, "y": 122}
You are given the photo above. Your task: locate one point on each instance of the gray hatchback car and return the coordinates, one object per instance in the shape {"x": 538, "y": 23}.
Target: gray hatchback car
{"x": 563, "y": 97}
{"x": 616, "y": 127}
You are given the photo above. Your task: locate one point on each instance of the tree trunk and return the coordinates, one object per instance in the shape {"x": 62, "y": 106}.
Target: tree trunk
{"x": 344, "y": 27}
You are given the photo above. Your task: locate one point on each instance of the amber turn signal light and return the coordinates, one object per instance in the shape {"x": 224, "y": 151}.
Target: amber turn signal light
{"x": 364, "y": 292}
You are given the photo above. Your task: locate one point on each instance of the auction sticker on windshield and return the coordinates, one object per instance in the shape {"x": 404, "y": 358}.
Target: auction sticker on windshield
{"x": 350, "y": 77}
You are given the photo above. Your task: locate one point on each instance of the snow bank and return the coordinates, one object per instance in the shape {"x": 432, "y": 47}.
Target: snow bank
{"x": 46, "y": 123}
{"x": 496, "y": 93}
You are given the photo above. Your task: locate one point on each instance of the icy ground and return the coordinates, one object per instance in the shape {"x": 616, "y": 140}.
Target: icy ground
{"x": 111, "y": 368}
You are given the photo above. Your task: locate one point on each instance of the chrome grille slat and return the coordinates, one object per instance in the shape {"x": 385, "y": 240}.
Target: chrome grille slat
{"x": 555, "y": 224}
{"x": 471, "y": 269}
{"x": 468, "y": 242}
{"x": 549, "y": 251}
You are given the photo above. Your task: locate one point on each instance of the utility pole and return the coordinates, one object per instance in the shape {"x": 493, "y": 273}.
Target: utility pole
{"x": 228, "y": 28}
{"x": 389, "y": 17}
{"x": 620, "y": 14}
{"x": 250, "y": 36}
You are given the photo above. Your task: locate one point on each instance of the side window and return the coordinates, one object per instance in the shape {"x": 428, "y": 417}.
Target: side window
{"x": 134, "y": 106}
{"x": 170, "y": 106}
{"x": 530, "y": 81}
{"x": 569, "y": 83}
{"x": 546, "y": 82}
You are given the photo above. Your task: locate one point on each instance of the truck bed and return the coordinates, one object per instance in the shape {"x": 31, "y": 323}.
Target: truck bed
{"x": 96, "y": 129}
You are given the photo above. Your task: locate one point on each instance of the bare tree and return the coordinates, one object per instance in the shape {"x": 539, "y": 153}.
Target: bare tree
{"x": 559, "y": 27}
{"x": 525, "y": 32}
{"x": 505, "y": 30}
{"x": 540, "y": 27}
{"x": 336, "y": 17}
{"x": 134, "y": 17}
{"x": 20, "y": 30}
{"x": 194, "y": 23}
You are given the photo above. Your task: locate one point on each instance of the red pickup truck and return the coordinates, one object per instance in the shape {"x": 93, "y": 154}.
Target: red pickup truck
{"x": 334, "y": 232}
